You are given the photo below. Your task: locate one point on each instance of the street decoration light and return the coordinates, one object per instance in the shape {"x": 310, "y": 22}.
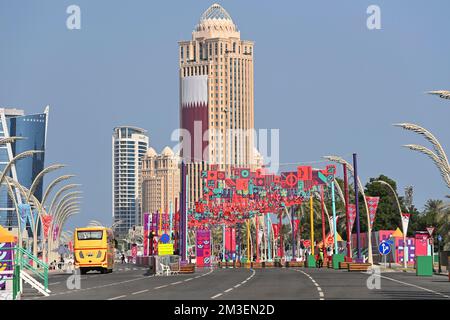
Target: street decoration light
{"x": 444, "y": 94}
{"x": 53, "y": 184}
{"x": 65, "y": 188}
{"x": 340, "y": 160}
{"x": 438, "y": 156}
{"x": 405, "y": 257}
{"x": 41, "y": 175}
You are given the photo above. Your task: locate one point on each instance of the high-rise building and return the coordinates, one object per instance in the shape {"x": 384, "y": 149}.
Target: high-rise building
{"x": 129, "y": 145}
{"x": 160, "y": 180}
{"x": 33, "y": 130}
{"x": 216, "y": 97}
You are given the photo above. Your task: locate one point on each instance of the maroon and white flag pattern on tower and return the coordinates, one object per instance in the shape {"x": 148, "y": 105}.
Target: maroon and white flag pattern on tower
{"x": 194, "y": 118}
{"x": 372, "y": 203}
{"x": 351, "y": 215}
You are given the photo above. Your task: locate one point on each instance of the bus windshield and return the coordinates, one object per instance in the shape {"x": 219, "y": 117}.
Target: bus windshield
{"x": 90, "y": 235}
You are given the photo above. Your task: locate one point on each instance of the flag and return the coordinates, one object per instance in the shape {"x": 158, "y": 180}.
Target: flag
{"x": 46, "y": 221}
{"x": 372, "y": 203}
{"x": 351, "y": 215}
{"x": 405, "y": 222}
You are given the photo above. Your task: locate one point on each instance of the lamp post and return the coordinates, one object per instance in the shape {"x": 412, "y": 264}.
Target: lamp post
{"x": 405, "y": 247}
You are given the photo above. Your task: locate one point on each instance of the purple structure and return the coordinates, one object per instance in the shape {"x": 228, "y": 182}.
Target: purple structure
{"x": 358, "y": 230}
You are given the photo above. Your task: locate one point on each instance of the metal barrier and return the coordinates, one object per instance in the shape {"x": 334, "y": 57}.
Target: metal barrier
{"x": 167, "y": 265}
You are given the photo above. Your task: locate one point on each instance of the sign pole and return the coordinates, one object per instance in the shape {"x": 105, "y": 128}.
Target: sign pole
{"x": 293, "y": 233}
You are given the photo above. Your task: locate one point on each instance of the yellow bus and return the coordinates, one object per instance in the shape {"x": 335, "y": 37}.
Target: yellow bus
{"x": 94, "y": 249}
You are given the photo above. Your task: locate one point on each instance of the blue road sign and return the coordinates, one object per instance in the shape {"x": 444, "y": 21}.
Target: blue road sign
{"x": 384, "y": 248}
{"x": 439, "y": 238}
{"x": 165, "y": 238}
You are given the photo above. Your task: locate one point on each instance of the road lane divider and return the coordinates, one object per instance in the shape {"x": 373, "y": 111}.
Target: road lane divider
{"x": 319, "y": 289}
{"x": 236, "y": 286}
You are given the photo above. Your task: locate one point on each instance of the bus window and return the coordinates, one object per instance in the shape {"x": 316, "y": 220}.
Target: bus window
{"x": 90, "y": 235}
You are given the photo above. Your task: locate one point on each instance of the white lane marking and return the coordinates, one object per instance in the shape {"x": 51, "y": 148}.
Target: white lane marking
{"x": 188, "y": 280}
{"x": 50, "y": 284}
{"x": 166, "y": 285}
{"x": 413, "y": 285}
{"x": 174, "y": 283}
{"x": 115, "y": 298}
{"x": 142, "y": 291}
{"x": 319, "y": 289}
{"x": 238, "y": 285}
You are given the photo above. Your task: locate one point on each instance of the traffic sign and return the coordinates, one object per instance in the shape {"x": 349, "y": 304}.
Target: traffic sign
{"x": 307, "y": 243}
{"x": 384, "y": 248}
{"x": 439, "y": 237}
{"x": 430, "y": 230}
{"x": 165, "y": 238}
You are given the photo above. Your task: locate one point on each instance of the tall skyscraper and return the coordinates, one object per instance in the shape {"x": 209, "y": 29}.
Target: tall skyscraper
{"x": 216, "y": 97}
{"x": 160, "y": 180}
{"x": 129, "y": 145}
{"x": 33, "y": 129}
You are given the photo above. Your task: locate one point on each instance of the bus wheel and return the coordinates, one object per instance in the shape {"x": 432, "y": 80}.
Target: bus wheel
{"x": 83, "y": 270}
{"x": 103, "y": 270}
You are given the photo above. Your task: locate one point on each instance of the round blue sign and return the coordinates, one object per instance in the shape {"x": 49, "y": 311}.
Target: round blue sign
{"x": 165, "y": 238}
{"x": 384, "y": 248}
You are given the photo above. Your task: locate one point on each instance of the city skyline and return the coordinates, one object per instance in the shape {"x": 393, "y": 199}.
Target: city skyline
{"x": 332, "y": 71}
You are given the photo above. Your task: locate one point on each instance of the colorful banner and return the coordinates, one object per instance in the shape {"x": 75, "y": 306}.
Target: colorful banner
{"x": 55, "y": 232}
{"x": 405, "y": 222}
{"x": 203, "y": 248}
{"x": 46, "y": 221}
{"x": 25, "y": 214}
{"x": 372, "y": 203}
{"x": 6, "y": 263}
{"x": 146, "y": 233}
{"x": 276, "y": 230}
{"x": 351, "y": 215}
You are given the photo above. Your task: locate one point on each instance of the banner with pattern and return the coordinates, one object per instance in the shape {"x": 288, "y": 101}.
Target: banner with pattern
{"x": 351, "y": 215}
{"x": 372, "y": 203}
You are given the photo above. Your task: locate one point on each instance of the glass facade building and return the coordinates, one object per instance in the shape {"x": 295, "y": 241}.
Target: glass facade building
{"x": 33, "y": 130}
{"x": 129, "y": 146}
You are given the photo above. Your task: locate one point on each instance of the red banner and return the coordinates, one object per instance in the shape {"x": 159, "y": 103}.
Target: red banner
{"x": 372, "y": 203}
{"x": 351, "y": 215}
{"x": 275, "y": 230}
{"x": 46, "y": 221}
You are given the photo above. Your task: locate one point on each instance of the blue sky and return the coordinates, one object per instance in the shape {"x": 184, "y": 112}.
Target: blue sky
{"x": 331, "y": 85}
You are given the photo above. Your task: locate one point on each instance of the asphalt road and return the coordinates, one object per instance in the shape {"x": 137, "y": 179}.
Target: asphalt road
{"x": 131, "y": 282}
